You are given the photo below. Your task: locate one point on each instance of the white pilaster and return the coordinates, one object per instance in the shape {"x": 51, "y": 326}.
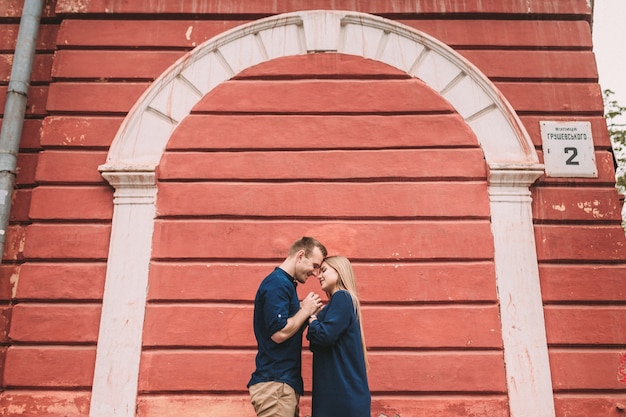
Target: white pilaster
{"x": 528, "y": 376}
{"x": 114, "y": 391}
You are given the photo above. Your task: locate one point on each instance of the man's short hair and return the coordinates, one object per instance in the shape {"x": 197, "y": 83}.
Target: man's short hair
{"x": 308, "y": 244}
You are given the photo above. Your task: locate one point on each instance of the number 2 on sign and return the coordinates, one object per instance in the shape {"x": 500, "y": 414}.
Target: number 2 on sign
{"x": 570, "y": 160}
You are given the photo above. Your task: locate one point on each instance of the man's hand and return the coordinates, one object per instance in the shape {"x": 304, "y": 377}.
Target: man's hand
{"x": 311, "y": 303}
{"x": 308, "y": 306}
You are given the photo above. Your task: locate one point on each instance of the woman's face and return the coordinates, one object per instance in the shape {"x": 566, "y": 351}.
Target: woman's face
{"x": 329, "y": 278}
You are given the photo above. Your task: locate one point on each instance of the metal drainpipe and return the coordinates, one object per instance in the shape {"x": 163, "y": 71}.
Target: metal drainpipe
{"x": 15, "y": 108}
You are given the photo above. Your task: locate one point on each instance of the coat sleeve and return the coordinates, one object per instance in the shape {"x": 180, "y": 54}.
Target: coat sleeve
{"x": 337, "y": 318}
{"x": 276, "y": 309}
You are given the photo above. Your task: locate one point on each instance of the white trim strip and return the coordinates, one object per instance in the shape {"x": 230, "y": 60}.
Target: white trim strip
{"x": 114, "y": 391}
{"x": 528, "y": 377}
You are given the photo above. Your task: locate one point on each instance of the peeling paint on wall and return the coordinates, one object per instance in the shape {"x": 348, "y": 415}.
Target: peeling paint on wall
{"x": 591, "y": 207}
{"x": 14, "y": 280}
{"x": 76, "y": 7}
{"x": 621, "y": 368}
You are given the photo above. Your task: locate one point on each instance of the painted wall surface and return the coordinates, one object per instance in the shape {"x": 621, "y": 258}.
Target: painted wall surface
{"x": 335, "y": 154}
{"x": 371, "y": 160}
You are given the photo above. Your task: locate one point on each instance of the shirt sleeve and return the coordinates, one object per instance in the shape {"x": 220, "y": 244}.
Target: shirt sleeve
{"x": 335, "y": 321}
{"x": 276, "y": 311}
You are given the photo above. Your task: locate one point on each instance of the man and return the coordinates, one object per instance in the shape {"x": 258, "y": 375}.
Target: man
{"x": 279, "y": 320}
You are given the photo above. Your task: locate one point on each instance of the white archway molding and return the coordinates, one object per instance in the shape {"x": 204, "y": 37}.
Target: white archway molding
{"x": 143, "y": 135}
{"x": 141, "y": 140}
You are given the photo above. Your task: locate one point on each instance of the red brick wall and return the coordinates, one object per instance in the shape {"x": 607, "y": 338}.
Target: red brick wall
{"x": 363, "y": 157}
{"x": 94, "y": 60}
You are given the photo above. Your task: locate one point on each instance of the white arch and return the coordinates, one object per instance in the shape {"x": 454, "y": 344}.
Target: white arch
{"x": 141, "y": 140}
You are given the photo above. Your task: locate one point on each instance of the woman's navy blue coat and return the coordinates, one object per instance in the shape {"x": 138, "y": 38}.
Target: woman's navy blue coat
{"x": 340, "y": 387}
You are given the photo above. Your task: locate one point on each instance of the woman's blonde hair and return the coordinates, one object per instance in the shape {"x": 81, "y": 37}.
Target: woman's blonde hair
{"x": 347, "y": 281}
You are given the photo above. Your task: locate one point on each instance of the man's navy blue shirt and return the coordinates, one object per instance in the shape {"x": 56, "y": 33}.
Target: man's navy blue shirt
{"x": 276, "y": 300}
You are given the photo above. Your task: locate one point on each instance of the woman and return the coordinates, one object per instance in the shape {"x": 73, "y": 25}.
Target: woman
{"x": 340, "y": 387}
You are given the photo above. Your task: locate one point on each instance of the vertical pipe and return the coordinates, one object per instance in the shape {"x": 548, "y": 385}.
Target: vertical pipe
{"x": 15, "y": 108}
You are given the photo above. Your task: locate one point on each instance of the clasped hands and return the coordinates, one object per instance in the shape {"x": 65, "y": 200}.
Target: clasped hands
{"x": 312, "y": 303}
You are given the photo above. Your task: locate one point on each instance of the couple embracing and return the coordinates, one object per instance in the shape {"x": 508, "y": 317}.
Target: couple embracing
{"x": 335, "y": 333}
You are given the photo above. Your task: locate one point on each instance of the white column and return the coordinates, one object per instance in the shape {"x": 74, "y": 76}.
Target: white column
{"x": 528, "y": 376}
{"x": 114, "y": 391}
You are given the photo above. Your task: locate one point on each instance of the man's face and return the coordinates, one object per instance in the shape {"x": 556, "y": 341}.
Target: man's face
{"x": 308, "y": 266}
